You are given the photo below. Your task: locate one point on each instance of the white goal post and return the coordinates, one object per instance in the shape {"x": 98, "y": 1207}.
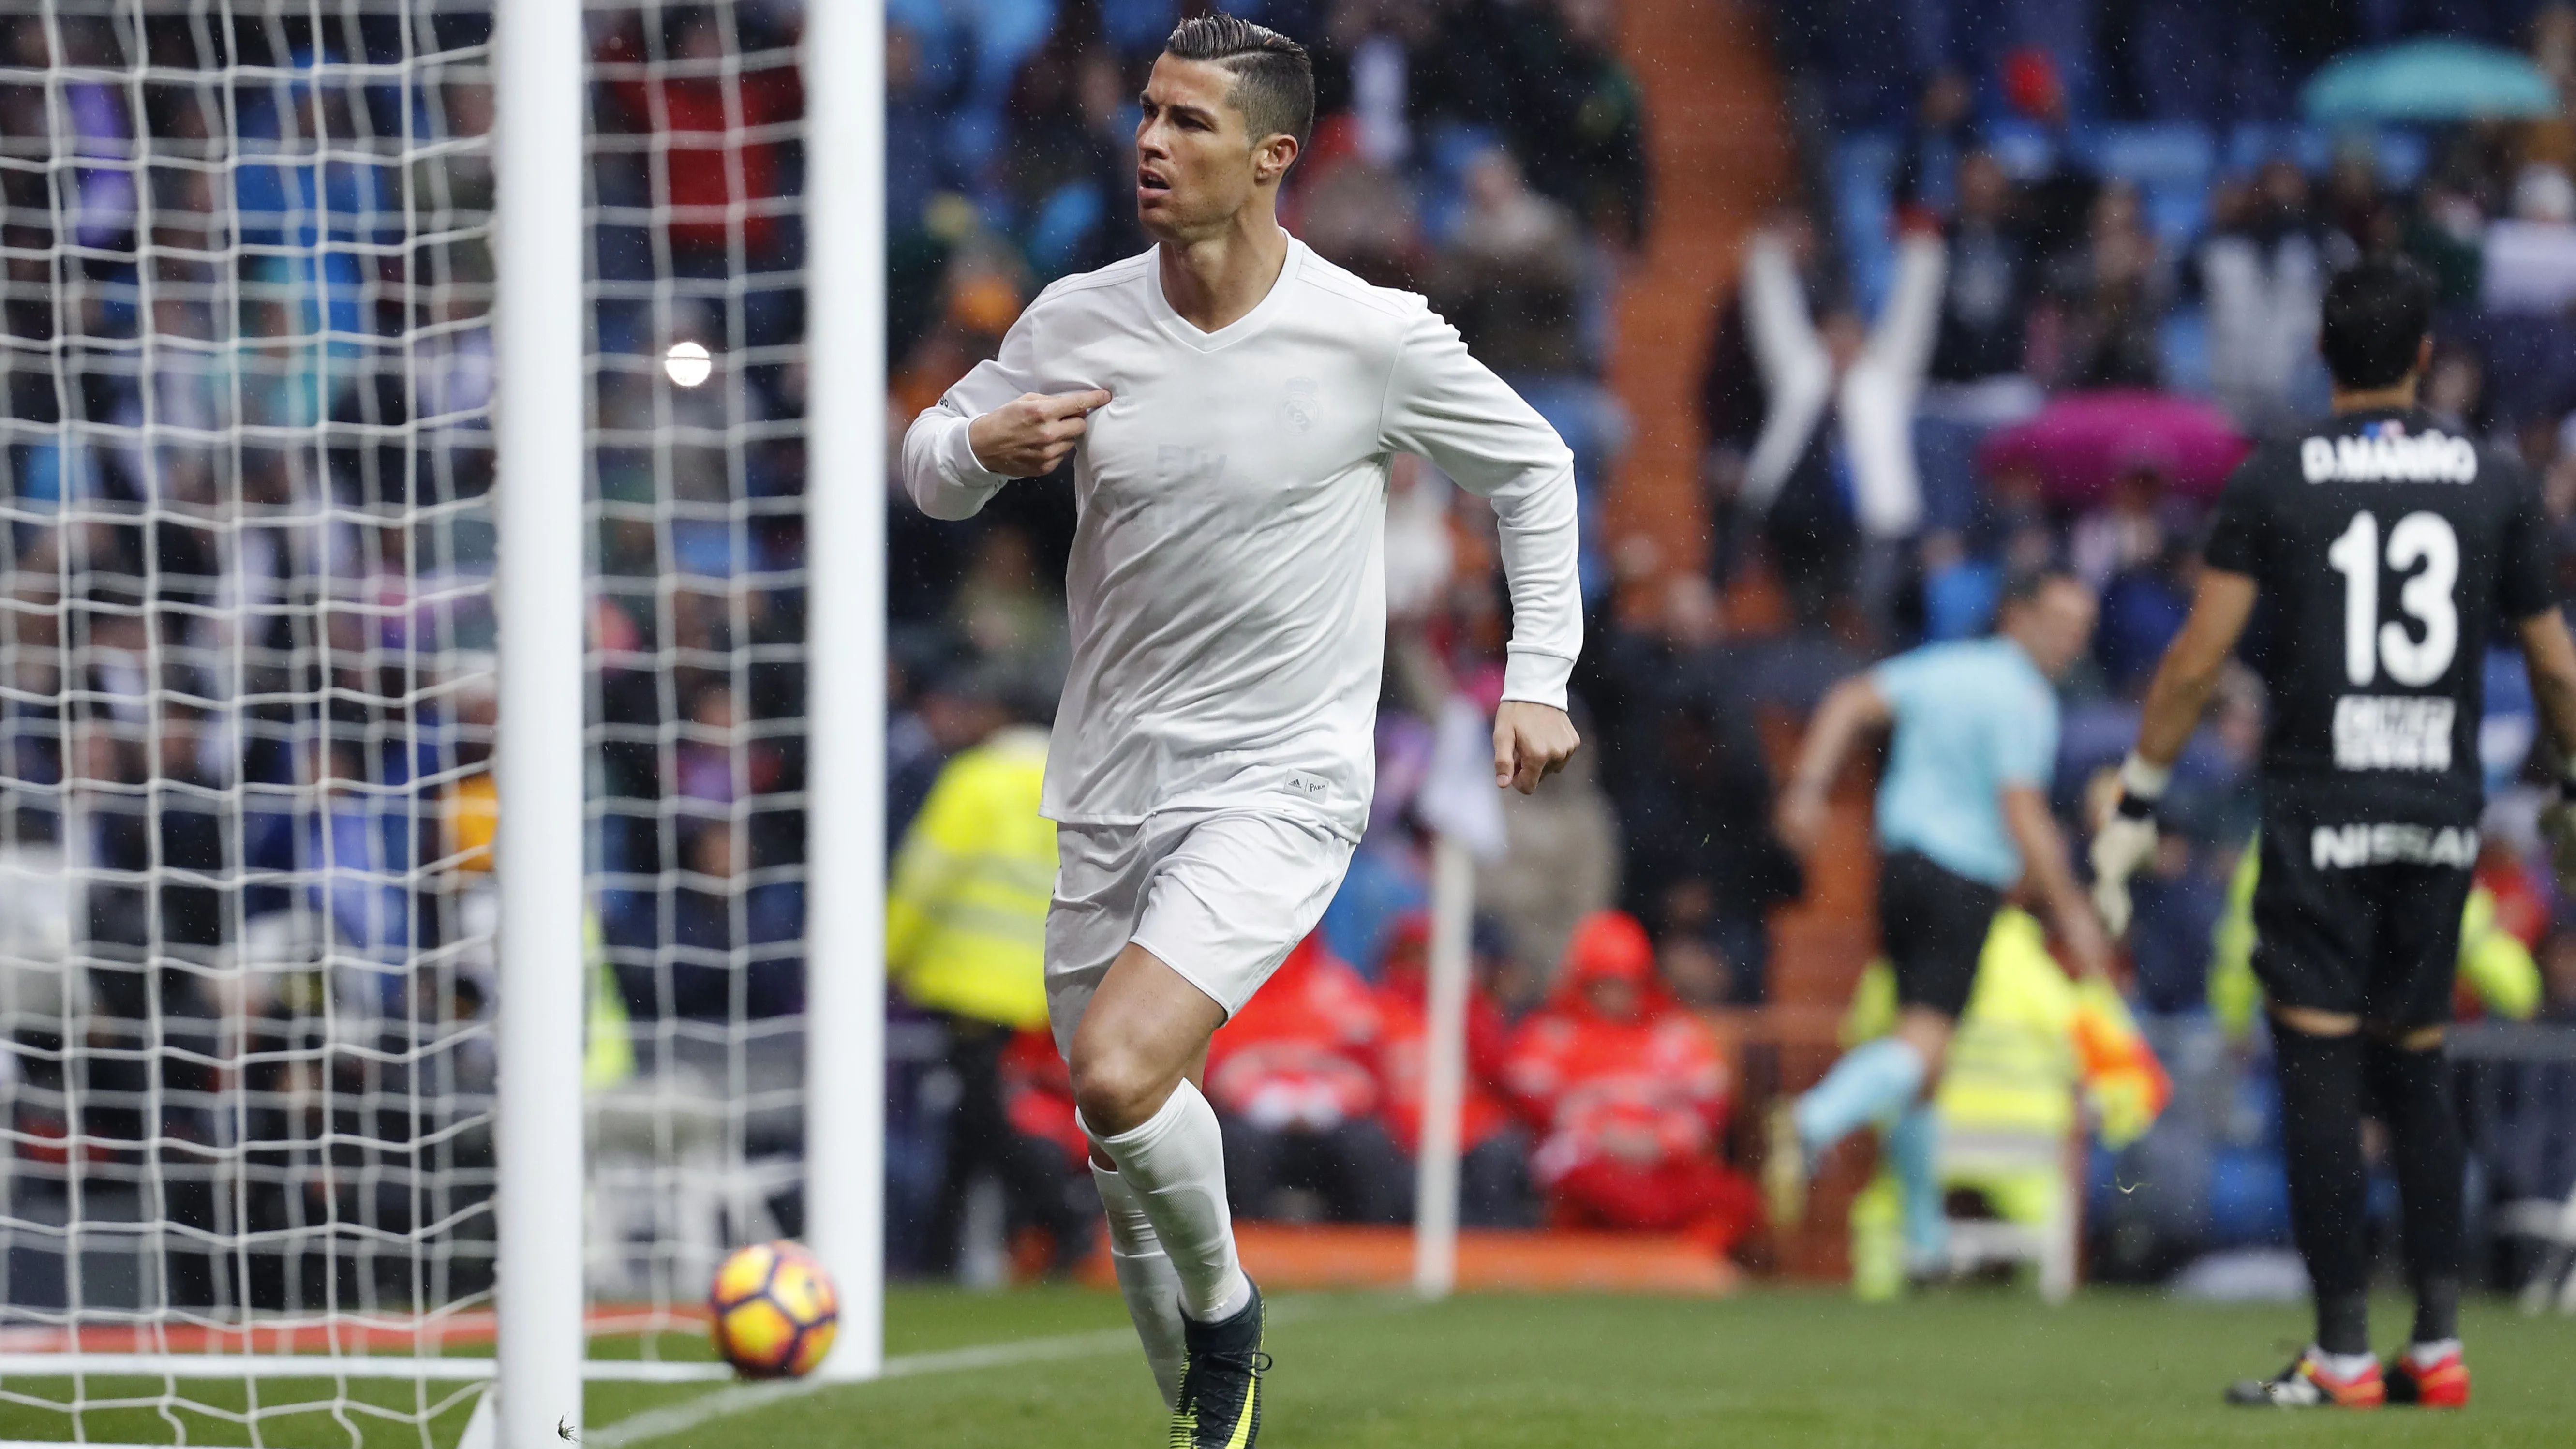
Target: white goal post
{"x": 538, "y": 336}
{"x": 845, "y": 524}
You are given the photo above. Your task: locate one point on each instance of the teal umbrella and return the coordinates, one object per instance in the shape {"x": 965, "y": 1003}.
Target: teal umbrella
{"x": 2430, "y": 80}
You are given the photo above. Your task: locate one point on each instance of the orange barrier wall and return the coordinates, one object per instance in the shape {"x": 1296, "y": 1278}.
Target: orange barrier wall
{"x": 1720, "y": 144}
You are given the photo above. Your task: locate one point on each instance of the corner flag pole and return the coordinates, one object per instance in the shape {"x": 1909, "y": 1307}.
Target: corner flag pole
{"x": 1444, "y": 1086}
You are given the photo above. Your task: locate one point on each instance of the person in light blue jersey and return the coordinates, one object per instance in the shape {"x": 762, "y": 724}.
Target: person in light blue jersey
{"x": 1963, "y": 822}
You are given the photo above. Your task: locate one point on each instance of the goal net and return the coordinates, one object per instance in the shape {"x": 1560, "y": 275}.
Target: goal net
{"x": 697, "y": 644}
{"x": 248, "y": 989}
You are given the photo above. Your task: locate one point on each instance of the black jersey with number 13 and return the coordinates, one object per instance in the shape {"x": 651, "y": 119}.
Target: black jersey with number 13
{"x": 2386, "y": 552}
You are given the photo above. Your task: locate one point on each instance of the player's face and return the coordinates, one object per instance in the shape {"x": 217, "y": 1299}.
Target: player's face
{"x": 2057, "y": 627}
{"x": 1197, "y": 167}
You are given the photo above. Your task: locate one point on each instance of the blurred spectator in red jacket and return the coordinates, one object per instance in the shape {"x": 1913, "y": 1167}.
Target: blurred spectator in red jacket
{"x": 1493, "y": 1168}
{"x": 1630, "y": 1092}
{"x": 1293, "y": 1076}
{"x": 1048, "y": 1162}
{"x": 1037, "y": 1094}
{"x": 724, "y": 115}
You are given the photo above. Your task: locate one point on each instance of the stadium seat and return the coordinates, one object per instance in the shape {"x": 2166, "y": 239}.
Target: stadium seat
{"x": 2183, "y": 340}
{"x": 2171, "y": 165}
{"x": 1449, "y": 149}
{"x": 1864, "y": 178}
{"x": 2038, "y": 1173}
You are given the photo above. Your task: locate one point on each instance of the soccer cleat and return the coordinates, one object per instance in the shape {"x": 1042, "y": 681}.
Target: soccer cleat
{"x": 2308, "y": 1384}
{"x": 1785, "y": 1169}
{"x": 1221, "y": 1368}
{"x": 2442, "y": 1385}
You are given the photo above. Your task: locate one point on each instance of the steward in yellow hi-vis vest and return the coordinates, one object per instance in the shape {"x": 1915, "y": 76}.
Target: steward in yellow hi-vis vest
{"x": 2029, "y": 1041}
{"x": 966, "y": 917}
{"x": 2495, "y": 966}
{"x": 966, "y": 941}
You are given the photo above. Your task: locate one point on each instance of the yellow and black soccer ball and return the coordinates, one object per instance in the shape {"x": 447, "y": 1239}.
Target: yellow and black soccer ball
{"x": 772, "y": 1311}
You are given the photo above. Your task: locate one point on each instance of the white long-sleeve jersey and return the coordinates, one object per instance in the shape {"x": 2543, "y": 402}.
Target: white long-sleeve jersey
{"x": 1227, "y": 584}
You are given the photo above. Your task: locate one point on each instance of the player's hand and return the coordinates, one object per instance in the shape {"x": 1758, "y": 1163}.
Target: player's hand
{"x": 2121, "y": 848}
{"x": 1531, "y": 741}
{"x": 1800, "y": 820}
{"x": 2084, "y": 940}
{"x": 2558, "y": 827}
{"x": 1027, "y": 436}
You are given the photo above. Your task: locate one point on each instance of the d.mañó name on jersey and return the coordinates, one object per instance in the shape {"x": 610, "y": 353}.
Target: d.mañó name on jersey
{"x": 2387, "y": 453}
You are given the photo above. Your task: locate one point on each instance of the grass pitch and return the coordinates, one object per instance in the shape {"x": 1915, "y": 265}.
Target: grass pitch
{"x": 1977, "y": 1370}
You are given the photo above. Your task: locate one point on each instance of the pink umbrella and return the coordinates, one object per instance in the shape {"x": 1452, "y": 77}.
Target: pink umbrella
{"x": 2082, "y": 444}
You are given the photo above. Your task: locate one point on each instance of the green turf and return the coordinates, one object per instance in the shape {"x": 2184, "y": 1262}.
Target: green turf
{"x": 1979, "y": 1371}
{"x": 1975, "y": 1370}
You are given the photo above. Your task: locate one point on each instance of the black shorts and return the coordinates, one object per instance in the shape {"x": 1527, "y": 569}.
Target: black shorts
{"x": 2358, "y": 913}
{"x": 1933, "y": 923}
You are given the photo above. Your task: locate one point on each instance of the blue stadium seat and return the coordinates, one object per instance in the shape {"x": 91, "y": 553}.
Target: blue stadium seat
{"x": 2169, "y": 154}
{"x": 1070, "y": 213}
{"x": 1864, "y": 180}
{"x": 2183, "y": 340}
{"x": 974, "y": 135}
{"x": 2403, "y": 156}
{"x": 2027, "y": 151}
{"x": 1008, "y": 33}
{"x": 1448, "y": 150}
{"x": 1137, "y": 27}
{"x": 2171, "y": 164}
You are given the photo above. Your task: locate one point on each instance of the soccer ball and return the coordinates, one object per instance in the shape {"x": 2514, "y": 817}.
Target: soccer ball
{"x": 772, "y": 1311}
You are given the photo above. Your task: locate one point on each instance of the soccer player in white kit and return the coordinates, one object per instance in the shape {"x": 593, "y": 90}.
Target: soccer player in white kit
{"x": 1230, "y": 401}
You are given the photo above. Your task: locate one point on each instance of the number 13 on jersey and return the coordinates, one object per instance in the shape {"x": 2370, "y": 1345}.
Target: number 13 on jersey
{"x": 2423, "y": 548}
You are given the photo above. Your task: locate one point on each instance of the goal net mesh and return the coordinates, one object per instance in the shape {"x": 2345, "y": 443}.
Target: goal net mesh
{"x": 247, "y": 698}
{"x": 697, "y": 633}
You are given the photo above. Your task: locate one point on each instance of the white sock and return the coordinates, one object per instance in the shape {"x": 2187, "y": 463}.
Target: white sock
{"x": 1145, "y": 1277}
{"x": 2344, "y": 1365}
{"x": 1175, "y": 1164}
{"x": 2425, "y": 1355}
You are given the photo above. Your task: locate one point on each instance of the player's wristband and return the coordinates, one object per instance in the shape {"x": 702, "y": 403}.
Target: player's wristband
{"x": 2142, "y": 787}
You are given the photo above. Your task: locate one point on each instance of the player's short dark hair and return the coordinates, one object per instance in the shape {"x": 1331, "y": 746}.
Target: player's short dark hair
{"x": 2376, "y": 315}
{"x": 1274, "y": 82}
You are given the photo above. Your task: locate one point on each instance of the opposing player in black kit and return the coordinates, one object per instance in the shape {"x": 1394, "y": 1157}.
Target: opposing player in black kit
{"x": 2387, "y": 553}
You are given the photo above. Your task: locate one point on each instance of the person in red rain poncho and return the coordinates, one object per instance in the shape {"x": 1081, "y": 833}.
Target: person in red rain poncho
{"x": 1629, "y": 1092}
{"x": 1493, "y": 1168}
{"x": 724, "y": 158}
{"x": 1293, "y": 1077}
{"x": 1048, "y": 1158}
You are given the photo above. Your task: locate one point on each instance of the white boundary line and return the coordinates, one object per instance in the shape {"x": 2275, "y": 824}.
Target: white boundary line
{"x": 741, "y": 1398}
{"x": 680, "y": 1418}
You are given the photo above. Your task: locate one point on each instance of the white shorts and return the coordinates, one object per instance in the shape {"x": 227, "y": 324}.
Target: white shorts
{"x": 1220, "y": 896}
